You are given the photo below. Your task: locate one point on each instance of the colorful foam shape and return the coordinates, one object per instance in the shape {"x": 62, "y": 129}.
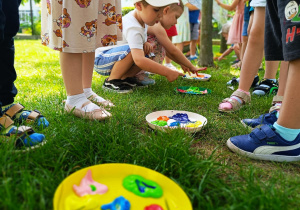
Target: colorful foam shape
{"x": 159, "y": 123}
{"x": 89, "y": 187}
{"x": 142, "y": 187}
{"x": 120, "y": 203}
{"x": 153, "y": 207}
{"x": 180, "y": 117}
{"x": 86, "y": 202}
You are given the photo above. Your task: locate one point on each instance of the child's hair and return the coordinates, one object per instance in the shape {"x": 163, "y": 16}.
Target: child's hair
{"x": 175, "y": 6}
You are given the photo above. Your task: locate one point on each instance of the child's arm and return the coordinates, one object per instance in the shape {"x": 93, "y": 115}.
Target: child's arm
{"x": 228, "y": 7}
{"x": 173, "y": 52}
{"x": 149, "y": 65}
{"x": 227, "y": 52}
{"x": 191, "y": 7}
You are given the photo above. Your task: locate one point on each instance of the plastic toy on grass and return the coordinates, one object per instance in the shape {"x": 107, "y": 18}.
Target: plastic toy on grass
{"x": 192, "y": 90}
{"x": 189, "y": 121}
{"x": 128, "y": 187}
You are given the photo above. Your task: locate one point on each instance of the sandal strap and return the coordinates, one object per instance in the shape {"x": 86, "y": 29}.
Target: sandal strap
{"x": 245, "y": 97}
{"x": 235, "y": 104}
{"x": 277, "y": 99}
{"x": 6, "y": 121}
{"x": 13, "y": 110}
{"x": 33, "y": 116}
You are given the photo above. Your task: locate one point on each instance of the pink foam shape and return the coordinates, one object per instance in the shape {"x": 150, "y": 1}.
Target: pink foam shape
{"x": 86, "y": 185}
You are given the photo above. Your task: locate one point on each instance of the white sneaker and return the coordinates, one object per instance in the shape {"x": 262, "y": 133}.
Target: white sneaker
{"x": 170, "y": 66}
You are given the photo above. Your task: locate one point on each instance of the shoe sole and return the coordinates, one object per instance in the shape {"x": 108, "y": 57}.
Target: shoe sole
{"x": 27, "y": 149}
{"x": 277, "y": 158}
{"x": 117, "y": 91}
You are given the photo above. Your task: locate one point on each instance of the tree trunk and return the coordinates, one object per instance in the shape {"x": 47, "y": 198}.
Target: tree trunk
{"x": 206, "y": 52}
{"x": 31, "y": 18}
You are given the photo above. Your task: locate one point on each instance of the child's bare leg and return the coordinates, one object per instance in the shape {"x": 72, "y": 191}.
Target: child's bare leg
{"x": 87, "y": 69}
{"x": 271, "y": 69}
{"x": 193, "y": 47}
{"x": 289, "y": 112}
{"x": 236, "y": 49}
{"x": 244, "y": 45}
{"x": 87, "y": 75}
{"x": 283, "y": 74}
{"x": 252, "y": 58}
{"x": 132, "y": 72}
{"x": 179, "y": 46}
{"x": 167, "y": 59}
{"x": 254, "y": 52}
{"x": 121, "y": 67}
{"x": 71, "y": 68}
{"x": 71, "y": 64}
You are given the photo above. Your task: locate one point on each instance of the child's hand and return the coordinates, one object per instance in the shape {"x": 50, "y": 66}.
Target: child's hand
{"x": 148, "y": 48}
{"x": 173, "y": 75}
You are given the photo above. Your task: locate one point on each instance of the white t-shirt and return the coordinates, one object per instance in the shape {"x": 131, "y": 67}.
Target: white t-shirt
{"x": 134, "y": 34}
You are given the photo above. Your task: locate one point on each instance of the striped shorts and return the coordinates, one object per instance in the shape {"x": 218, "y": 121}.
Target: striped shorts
{"x": 105, "y": 60}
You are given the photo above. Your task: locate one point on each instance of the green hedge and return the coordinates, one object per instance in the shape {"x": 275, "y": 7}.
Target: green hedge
{"x": 125, "y": 10}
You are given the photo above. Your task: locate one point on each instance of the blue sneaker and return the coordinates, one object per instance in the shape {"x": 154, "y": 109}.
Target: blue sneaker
{"x": 265, "y": 144}
{"x": 191, "y": 58}
{"x": 264, "y": 119}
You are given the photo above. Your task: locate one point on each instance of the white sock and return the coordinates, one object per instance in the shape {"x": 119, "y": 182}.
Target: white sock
{"x": 89, "y": 92}
{"x": 78, "y": 100}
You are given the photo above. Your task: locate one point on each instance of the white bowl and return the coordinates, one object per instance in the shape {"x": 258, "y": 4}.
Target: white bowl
{"x": 192, "y": 117}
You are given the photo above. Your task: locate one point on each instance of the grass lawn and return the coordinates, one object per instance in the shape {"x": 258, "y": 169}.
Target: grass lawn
{"x": 212, "y": 176}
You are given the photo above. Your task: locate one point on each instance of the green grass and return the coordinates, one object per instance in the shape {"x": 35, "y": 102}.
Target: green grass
{"x": 212, "y": 176}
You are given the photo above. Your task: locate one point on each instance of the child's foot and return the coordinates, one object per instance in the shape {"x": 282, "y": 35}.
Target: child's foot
{"x": 235, "y": 102}
{"x": 133, "y": 82}
{"x": 265, "y": 143}
{"x": 23, "y": 136}
{"x": 81, "y": 107}
{"x": 170, "y": 66}
{"x": 233, "y": 81}
{"x": 264, "y": 119}
{"x": 92, "y": 96}
{"x": 276, "y": 103}
{"x": 145, "y": 80}
{"x": 193, "y": 57}
{"x": 265, "y": 87}
{"x": 116, "y": 85}
{"x": 19, "y": 115}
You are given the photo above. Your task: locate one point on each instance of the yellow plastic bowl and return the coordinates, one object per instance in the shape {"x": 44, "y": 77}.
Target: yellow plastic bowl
{"x": 112, "y": 176}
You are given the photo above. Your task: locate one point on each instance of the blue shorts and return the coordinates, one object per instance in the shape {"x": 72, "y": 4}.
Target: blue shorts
{"x": 245, "y": 28}
{"x": 105, "y": 60}
{"x": 194, "y": 31}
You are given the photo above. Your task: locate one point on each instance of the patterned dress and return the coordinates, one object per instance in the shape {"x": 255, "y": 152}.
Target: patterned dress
{"x": 81, "y": 26}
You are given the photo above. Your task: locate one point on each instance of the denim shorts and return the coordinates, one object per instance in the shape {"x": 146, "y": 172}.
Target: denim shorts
{"x": 194, "y": 31}
{"x": 245, "y": 28}
{"x": 105, "y": 60}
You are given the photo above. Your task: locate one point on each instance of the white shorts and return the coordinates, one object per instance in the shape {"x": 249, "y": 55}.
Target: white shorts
{"x": 258, "y": 3}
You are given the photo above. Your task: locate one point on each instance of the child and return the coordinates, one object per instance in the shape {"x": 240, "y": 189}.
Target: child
{"x": 122, "y": 63}
{"x": 278, "y": 140}
{"x": 74, "y": 28}
{"x": 235, "y": 33}
{"x": 183, "y": 28}
{"x": 171, "y": 32}
{"x": 11, "y": 115}
{"x": 234, "y": 47}
{"x": 251, "y": 62}
{"x": 194, "y": 13}
{"x": 160, "y": 42}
